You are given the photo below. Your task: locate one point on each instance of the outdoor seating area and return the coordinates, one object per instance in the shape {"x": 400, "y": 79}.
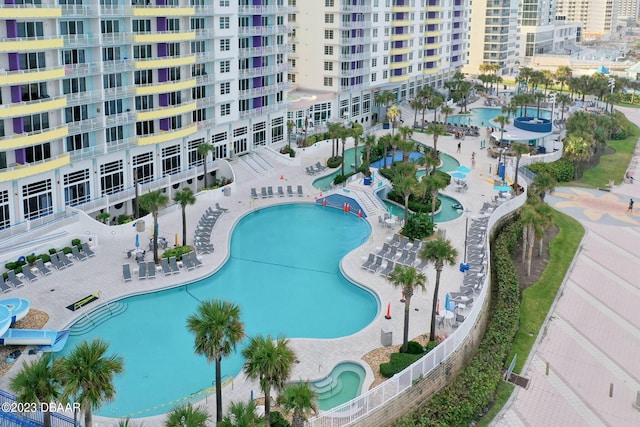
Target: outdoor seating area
{"x": 202, "y": 235}
{"x": 315, "y": 169}
{"x": 398, "y": 251}
{"x": 268, "y": 192}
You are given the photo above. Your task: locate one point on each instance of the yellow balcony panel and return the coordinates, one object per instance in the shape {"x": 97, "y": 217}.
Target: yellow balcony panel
{"x": 25, "y": 45}
{"x": 403, "y": 64}
{"x": 29, "y": 12}
{"x": 432, "y": 46}
{"x": 430, "y": 70}
{"x": 163, "y": 11}
{"x": 433, "y": 21}
{"x": 28, "y": 76}
{"x": 18, "y": 141}
{"x": 396, "y": 79}
{"x": 166, "y": 112}
{"x": 165, "y": 136}
{"x": 164, "y": 37}
{"x": 436, "y": 33}
{"x": 23, "y": 171}
{"x": 401, "y": 23}
{"x": 403, "y": 9}
{"x": 165, "y": 87}
{"x": 165, "y": 62}
{"x": 400, "y": 51}
{"x": 396, "y": 37}
{"x": 29, "y": 108}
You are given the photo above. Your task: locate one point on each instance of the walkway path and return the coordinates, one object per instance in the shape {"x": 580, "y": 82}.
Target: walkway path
{"x": 591, "y": 341}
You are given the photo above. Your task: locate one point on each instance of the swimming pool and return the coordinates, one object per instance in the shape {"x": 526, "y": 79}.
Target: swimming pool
{"x": 446, "y": 212}
{"x": 481, "y": 117}
{"x": 343, "y": 383}
{"x": 447, "y": 162}
{"x": 283, "y": 273}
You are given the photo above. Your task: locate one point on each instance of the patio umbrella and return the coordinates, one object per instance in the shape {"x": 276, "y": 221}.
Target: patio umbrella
{"x": 137, "y": 240}
{"x": 502, "y": 188}
{"x": 459, "y": 175}
{"x": 463, "y": 169}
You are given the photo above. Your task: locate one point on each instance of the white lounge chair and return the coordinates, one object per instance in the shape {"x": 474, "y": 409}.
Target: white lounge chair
{"x": 300, "y": 191}
{"x": 194, "y": 259}
{"x": 76, "y": 253}
{"x": 26, "y": 271}
{"x": 13, "y": 279}
{"x": 289, "y": 190}
{"x": 142, "y": 271}
{"x": 186, "y": 261}
{"x": 173, "y": 263}
{"x": 166, "y": 269}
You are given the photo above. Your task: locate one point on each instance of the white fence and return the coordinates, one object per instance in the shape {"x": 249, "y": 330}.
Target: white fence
{"x": 394, "y": 386}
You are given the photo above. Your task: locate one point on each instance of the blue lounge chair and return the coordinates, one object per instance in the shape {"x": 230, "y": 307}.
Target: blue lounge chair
{"x": 289, "y": 190}
{"x": 87, "y": 250}
{"x": 186, "y": 261}
{"x": 29, "y": 274}
{"x": 166, "y": 270}
{"x": 76, "y": 253}
{"x": 195, "y": 260}
{"x": 369, "y": 261}
{"x": 42, "y": 268}
{"x": 142, "y": 271}
{"x": 174, "y": 265}
{"x": 15, "y": 282}
{"x": 126, "y": 272}
{"x": 300, "y": 191}
{"x": 151, "y": 270}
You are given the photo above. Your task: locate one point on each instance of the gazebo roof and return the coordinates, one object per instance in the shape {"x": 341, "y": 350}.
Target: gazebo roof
{"x": 602, "y": 70}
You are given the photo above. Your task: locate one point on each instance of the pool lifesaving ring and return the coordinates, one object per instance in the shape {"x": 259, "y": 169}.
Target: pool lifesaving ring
{"x": 21, "y": 258}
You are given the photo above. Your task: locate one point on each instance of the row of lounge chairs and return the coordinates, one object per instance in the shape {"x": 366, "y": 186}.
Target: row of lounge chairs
{"x": 202, "y": 235}
{"x": 58, "y": 260}
{"x": 147, "y": 270}
{"x": 311, "y": 170}
{"x": 266, "y": 192}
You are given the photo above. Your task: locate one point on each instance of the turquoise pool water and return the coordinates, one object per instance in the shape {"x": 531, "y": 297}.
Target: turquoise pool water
{"x": 447, "y": 162}
{"x": 350, "y": 159}
{"x": 284, "y": 275}
{"x": 446, "y": 212}
{"x": 481, "y": 116}
{"x": 341, "y": 385}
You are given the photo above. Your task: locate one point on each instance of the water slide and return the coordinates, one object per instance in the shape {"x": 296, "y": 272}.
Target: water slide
{"x": 14, "y": 309}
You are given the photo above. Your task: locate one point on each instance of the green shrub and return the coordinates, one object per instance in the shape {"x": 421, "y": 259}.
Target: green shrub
{"x": 414, "y": 347}
{"x": 53, "y": 251}
{"x": 334, "y": 162}
{"x": 44, "y": 257}
{"x": 288, "y": 150}
{"x": 398, "y": 363}
{"x": 278, "y": 420}
{"x": 31, "y": 259}
{"x": 561, "y": 170}
{"x": 76, "y": 242}
{"x": 66, "y": 250}
{"x": 418, "y": 226}
{"x": 123, "y": 218}
{"x": 11, "y": 265}
{"x": 177, "y": 252}
{"x": 431, "y": 345}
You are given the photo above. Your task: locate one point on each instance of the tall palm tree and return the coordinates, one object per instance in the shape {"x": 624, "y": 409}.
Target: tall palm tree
{"x": 86, "y": 375}
{"x": 153, "y": 202}
{"x": 446, "y": 112}
{"x": 518, "y": 149}
{"x": 203, "y": 151}
{"x": 369, "y": 142}
{"x": 386, "y": 141}
{"x": 270, "y": 362}
{"x": 408, "y": 279}
{"x": 184, "y": 197}
{"x": 416, "y": 105}
{"x": 542, "y": 183}
{"x": 509, "y": 109}
{"x": 383, "y": 99}
{"x": 393, "y": 114}
{"x": 563, "y": 74}
{"x": 299, "y": 400}
{"x": 37, "y": 382}
{"x": 334, "y": 135}
{"x": 430, "y": 185}
{"x": 243, "y": 414}
{"x": 439, "y": 251}
{"x": 290, "y": 125}
{"x": 344, "y": 133}
{"x": 435, "y": 102}
{"x": 502, "y": 120}
{"x": 577, "y": 149}
{"x": 356, "y": 133}
{"x": 217, "y": 329}
{"x": 437, "y": 130}
{"x": 405, "y": 183}
{"x": 187, "y": 416}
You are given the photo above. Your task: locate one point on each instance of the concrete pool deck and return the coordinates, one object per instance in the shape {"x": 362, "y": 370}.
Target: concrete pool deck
{"x": 317, "y": 357}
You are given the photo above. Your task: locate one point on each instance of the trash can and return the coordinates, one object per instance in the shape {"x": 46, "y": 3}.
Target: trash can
{"x": 227, "y": 191}
{"x": 386, "y": 337}
{"x": 367, "y": 180}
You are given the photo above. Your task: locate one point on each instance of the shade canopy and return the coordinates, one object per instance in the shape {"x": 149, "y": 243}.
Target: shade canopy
{"x": 502, "y": 188}
{"x": 458, "y": 175}
{"x": 463, "y": 169}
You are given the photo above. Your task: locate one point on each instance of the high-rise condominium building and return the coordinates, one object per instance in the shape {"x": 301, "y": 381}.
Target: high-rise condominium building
{"x": 344, "y": 51}
{"x": 494, "y": 37}
{"x": 628, "y": 9}
{"x": 541, "y": 32}
{"x": 101, "y": 98}
{"x": 99, "y": 95}
{"x": 598, "y": 17}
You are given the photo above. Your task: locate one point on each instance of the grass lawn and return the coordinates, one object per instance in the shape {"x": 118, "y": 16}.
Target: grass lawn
{"x": 611, "y": 166}
{"x": 537, "y": 299}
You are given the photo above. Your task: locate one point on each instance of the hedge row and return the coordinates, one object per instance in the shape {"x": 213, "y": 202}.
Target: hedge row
{"x": 472, "y": 391}
{"x": 561, "y": 170}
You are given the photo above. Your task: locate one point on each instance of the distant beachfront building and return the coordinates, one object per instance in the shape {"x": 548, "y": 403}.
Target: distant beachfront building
{"x": 598, "y": 17}
{"x": 628, "y": 9}
{"x": 344, "y": 51}
{"x": 99, "y": 95}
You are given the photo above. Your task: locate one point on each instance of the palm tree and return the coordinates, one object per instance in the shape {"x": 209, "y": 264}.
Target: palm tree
{"x": 203, "y": 151}
{"x": 393, "y": 114}
{"x": 383, "y": 99}
{"x": 431, "y": 185}
{"x": 408, "y": 279}
{"x": 386, "y": 141}
{"x": 184, "y": 197}
{"x": 187, "y": 416}
{"x": 416, "y": 105}
{"x": 217, "y": 329}
{"x": 334, "y": 135}
{"x": 510, "y": 109}
{"x": 290, "y": 125}
{"x": 299, "y": 400}
{"x": 436, "y": 130}
{"x": 439, "y": 251}
{"x": 502, "y": 120}
{"x": 242, "y": 415}
{"x": 344, "y": 133}
{"x": 37, "y": 382}
{"x": 434, "y": 103}
{"x": 153, "y": 202}
{"x": 270, "y": 362}
{"x": 518, "y": 149}
{"x": 539, "y": 96}
{"x": 542, "y": 183}
{"x": 446, "y": 112}
{"x": 577, "y": 149}
{"x": 356, "y": 133}
{"x": 563, "y": 74}
{"x": 405, "y": 183}
{"x": 369, "y": 142}
{"x": 86, "y": 375}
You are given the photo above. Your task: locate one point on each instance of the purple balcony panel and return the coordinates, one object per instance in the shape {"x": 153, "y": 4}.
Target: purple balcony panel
{"x": 161, "y": 22}
{"x": 18, "y": 125}
{"x": 163, "y": 74}
{"x": 21, "y": 156}
{"x": 161, "y": 2}
{"x": 399, "y": 30}
{"x": 9, "y": 1}
{"x": 257, "y": 61}
{"x": 454, "y": 58}
{"x": 257, "y": 41}
{"x": 12, "y": 28}
{"x": 257, "y": 2}
{"x": 163, "y": 49}
{"x": 257, "y": 82}
{"x": 257, "y": 21}
{"x": 397, "y": 72}
{"x": 164, "y": 124}
{"x": 257, "y": 102}
{"x": 14, "y": 61}
{"x": 163, "y": 99}
{"x": 16, "y": 94}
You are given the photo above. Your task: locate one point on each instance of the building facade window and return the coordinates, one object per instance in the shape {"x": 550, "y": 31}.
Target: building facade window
{"x": 171, "y": 160}
{"x": 111, "y": 178}
{"x": 37, "y": 199}
{"x": 77, "y": 188}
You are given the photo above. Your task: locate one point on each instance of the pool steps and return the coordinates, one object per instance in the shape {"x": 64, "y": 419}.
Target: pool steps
{"x": 331, "y": 384}
{"x": 92, "y": 320}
